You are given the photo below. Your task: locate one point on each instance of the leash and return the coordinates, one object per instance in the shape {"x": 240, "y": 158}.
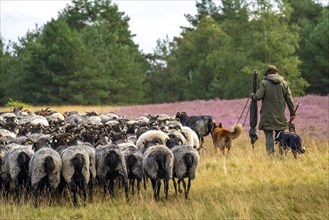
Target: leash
{"x": 244, "y": 108}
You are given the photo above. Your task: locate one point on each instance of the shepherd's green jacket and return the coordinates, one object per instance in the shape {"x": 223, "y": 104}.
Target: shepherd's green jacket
{"x": 274, "y": 93}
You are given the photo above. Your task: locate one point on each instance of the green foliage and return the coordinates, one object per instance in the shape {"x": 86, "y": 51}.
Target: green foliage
{"x": 217, "y": 56}
{"x": 87, "y": 55}
{"x": 312, "y": 18}
{"x": 17, "y": 103}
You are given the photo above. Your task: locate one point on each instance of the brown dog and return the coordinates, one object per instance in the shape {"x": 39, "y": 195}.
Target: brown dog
{"x": 222, "y": 137}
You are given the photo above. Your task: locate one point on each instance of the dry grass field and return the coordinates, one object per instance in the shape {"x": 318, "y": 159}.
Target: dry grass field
{"x": 245, "y": 185}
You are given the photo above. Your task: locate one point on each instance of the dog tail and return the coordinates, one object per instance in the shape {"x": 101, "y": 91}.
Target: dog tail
{"x": 237, "y": 131}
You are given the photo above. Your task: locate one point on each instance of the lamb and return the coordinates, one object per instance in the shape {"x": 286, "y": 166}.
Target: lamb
{"x": 134, "y": 160}
{"x": 17, "y": 167}
{"x": 110, "y": 163}
{"x": 45, "y": 170}
{"x": 158, "y": 164}
{"x": 151, "y": 137}
{"x": 186, "y": 159}
{"x": 75, "y": 170}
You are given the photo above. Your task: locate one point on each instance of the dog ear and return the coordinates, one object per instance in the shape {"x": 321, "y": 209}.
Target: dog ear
{"x": 292, "y": 142}
{"x": 220, "y": 125}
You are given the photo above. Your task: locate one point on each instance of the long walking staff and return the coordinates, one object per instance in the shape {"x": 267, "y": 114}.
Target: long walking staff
{"x": 253, "y": 113}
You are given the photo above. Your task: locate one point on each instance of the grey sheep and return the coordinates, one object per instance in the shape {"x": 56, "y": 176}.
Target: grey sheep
{"x": 17, "y": 167}
{"x": 157, "y": 165}
{"x": 4, "y": 149}
{"x": 45, "y": 169}
{"x": 134, "y": 161}
{"x": 186, "y": 159}
{"x": 92, "y": 164}
{"x": 110, "y": 163}
{"x": 151, "y": 137}
{"x": 175, "y": 138}
{"x": 75, "y": 170}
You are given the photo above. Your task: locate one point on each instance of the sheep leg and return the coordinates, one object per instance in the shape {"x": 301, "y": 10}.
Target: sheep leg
{"x": 17, "y": 188}
{"x": 166, "y": 186}
{"x": 52, "y": 195}
{"x": 111, "y": 186}
{"x": 144, "y": 180}
{"x": 189, "y": 185}
{"x": 7, "y": 186}
{"x": 125, "y": 185}
{"x": 91, "y": 188}
{"x": 27, "y": 185}
{"x": 179, "y": 189}
{"x": 154, "y": 184}
{"x": 175, "y": 185}
{"x": 131, "y": 184}
{"x": 138, "y": 185}
{"x": 73, "y": 187}
{"x": 184, "y": 185}
{"x": 158, "y": 183}
{"x": 36, "y": 192}
{"x": 105, "y": 182}
{"x": 84, "y": 190}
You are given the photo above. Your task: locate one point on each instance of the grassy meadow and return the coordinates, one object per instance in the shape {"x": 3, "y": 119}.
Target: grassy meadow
{"x": 245, "y": 185}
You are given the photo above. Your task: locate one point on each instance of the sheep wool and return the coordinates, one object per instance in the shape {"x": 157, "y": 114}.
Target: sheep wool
{"x": 12, "y": 167}
{"x": 181, "y": 168}
{"x": 37, "y": 167}
{"x": 150, "y": 136}
{"x": 151, "y": 166}
{"x": 101, "y": 156}
{"x": 191, "y": 137}
{"x": 68, "y": 170}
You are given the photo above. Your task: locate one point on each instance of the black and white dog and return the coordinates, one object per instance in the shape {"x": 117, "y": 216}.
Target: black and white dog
{"x": 289, "y": 141}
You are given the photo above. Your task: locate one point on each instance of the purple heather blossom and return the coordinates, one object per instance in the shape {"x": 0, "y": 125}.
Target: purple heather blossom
{"x": 311, "y": 118}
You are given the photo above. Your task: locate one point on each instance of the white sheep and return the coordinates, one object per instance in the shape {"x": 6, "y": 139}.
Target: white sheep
{"x": 157, "y": 165}
{"x": 186, "y": 159}
{"x": 39, "y": 120}
{"x": 191, "y": 137}
{"x": 6, "y": 133}
{"x": 45, "y": 169}
{"x": 151, "y": 137}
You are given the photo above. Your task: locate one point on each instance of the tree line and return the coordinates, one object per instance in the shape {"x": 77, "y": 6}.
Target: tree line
{"x": 87, "y": 56}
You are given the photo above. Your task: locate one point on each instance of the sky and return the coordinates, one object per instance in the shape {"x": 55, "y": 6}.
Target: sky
{"x": 150, "y": 20}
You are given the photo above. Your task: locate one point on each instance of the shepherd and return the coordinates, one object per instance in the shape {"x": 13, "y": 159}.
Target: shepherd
{"x": 275, "y": 94}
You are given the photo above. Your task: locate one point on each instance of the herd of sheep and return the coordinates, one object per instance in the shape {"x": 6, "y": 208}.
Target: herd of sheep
{"x": 49, "y": 150}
